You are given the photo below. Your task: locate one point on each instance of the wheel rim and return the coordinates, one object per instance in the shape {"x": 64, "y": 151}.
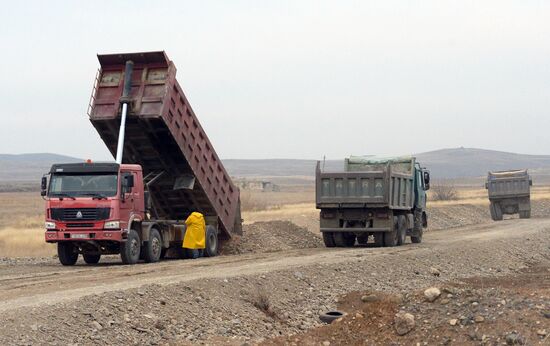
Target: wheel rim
{"x": 134, "y": 248}
{"x": 155, "y": 246}
{"x": 212, "y": 242}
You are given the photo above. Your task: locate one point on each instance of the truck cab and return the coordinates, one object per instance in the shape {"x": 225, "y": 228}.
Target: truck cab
{"x": 91, "y": 205}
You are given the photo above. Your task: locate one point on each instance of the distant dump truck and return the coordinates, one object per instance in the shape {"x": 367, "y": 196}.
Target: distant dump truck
{"x": 136, "y": 206}
{"x": 509, "y": 193}
{"x": 380, "y": 197}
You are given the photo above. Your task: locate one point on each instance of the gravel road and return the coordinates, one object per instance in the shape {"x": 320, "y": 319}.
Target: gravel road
{"x": 219, "y": 300}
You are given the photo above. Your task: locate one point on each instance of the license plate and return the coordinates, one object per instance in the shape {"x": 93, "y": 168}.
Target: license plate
{"x": 78, "y": 236}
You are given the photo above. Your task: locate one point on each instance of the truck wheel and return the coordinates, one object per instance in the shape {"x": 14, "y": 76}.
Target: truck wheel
{"x": 130, "y": 249}
{"x": 401, "y": 230}
{"x": 416, "y": 238}
{"x": 344, "y": 239}
{"x": 153, "y": 247}
{"x": 498, "y": 212}
{"x": 379, "y": 239}
{"x": 363, "y": 239}
{"x": 328, "y": 239}
{"x": 526, "y": 214}
{"x": 211, "y": 246}
{"x": 391, "y": 237}
{"x": 91, "y": 259}
{"x": 67, "y": 253}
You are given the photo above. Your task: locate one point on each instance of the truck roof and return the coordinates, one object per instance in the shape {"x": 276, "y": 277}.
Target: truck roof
{"x": 85, "y": 167}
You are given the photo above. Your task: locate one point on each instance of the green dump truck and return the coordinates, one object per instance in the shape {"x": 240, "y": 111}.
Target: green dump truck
{"x": 379, "y": 198}
{"x": 509, "y": 193}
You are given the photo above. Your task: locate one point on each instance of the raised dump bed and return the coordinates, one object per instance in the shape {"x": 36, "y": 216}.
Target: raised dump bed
{"x": 164, "y": 136}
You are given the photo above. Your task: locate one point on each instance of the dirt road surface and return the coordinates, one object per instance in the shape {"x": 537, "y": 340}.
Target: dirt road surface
{"x": 155, "y": 303}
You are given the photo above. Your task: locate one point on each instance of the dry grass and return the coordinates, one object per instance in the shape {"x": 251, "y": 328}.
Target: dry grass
{"x": 443, "y": 192}
{"x": 24, "y": 242}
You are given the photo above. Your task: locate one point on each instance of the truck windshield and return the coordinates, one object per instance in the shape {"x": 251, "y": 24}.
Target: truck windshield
{"x": 83, "y": 185}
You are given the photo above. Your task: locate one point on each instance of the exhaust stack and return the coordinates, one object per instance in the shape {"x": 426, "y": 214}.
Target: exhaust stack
{"x": 125, "y": 99}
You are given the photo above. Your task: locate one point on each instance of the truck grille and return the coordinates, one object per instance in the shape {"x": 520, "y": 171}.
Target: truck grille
{"x": 80, "y": 225}
{"x": 79, "y": 214}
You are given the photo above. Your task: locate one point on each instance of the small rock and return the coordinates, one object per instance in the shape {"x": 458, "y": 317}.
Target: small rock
{"x": 444, "y": 301}
{"x": 546, "y": 314}
{"x": 432, "y": 294}
{"x": 34, "y": 327}
{"x": 141, "y": 293}
{"x": 453, "y": 322}
{"x": 404, "y": 323}
{"x": 326, "y": 343}
{"x": 369, "y": 298}
{"x": 434, "y": 271}
{"x": 541, "y": 332}
{"x": 514, "y": 339}
{"x": 359, "y": 315}
{"x": 479, "y": 319}
{"x": 96, "y": 325}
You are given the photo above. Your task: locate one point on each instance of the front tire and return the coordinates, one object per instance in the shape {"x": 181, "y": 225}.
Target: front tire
{"x": 130, "y": 249}
{"x": 67, "y": 253}
{"x": 496, "y": 212}
{"x": 211, "y": 246}
{"x": 91, "y": 259}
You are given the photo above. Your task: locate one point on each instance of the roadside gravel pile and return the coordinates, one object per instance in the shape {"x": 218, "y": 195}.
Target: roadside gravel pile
{"x": 237, "y": 309}
{"x": 271, "y": 236}
{"x": 509, "y": 310}
{"x": 457, "y": 215}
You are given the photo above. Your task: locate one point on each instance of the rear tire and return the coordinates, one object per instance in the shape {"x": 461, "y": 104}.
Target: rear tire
{"x": 344, "y": 239}
{"x": 328, "y": 239}
{"x": 496, "y": 212}
{"x": 401, "y": 230}
{"x": 91, "y": 259}
{"x": 526, "y": 214}
{"x": 67, "y": 253}
{"x": 131, "y": 248}
{"x": 211, "y": 242}
{"x": 390, "y": 238}
{"x": 363, "y": 239}
{"x": 153, "y": 247}
{"x": 379, "y": 239}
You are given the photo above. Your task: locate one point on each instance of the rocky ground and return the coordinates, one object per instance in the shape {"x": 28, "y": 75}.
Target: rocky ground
{"x": 276, "y": 297}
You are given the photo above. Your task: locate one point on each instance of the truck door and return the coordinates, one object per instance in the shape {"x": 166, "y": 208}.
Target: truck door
{"x": 127, "y": 196}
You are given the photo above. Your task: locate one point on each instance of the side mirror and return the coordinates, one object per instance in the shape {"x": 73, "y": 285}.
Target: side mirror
{"x": 426, "y": 180}
{"x": 486, "y": 186}
{"x": 43, "y": 186}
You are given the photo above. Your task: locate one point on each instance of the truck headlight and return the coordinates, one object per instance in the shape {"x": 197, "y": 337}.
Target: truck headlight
{"x": 112, "y": 225}
{"x": 49, "y": 225}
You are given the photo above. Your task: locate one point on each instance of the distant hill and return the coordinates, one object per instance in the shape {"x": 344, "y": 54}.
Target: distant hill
{"x": 471, "y": 162}
{"x": 444, "y": 163}
{"x": 29, "y": 167}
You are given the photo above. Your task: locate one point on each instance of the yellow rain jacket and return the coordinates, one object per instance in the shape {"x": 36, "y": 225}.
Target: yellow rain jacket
{"x": 196, "y": 232}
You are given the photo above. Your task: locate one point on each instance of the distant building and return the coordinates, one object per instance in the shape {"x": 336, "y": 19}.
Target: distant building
{"x": 257, "y": 185}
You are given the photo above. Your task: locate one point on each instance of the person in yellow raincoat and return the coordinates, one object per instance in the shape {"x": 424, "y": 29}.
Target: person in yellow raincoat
{"x": 195, "y": 234}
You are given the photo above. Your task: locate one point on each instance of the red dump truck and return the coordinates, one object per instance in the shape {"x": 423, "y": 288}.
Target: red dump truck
{"x": 165, "y": 169}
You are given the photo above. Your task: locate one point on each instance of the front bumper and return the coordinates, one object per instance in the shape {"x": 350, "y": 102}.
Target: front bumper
{"x": 116, "y": 235}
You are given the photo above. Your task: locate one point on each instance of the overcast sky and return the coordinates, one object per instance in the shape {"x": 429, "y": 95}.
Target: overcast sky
{"x": 291, "y": 79}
